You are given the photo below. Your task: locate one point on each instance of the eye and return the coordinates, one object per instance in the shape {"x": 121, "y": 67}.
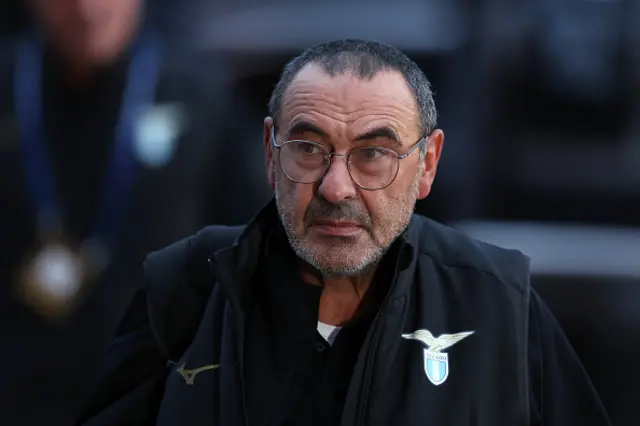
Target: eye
{"x": 371, "y": 154}
{"x": 307, "y": 148}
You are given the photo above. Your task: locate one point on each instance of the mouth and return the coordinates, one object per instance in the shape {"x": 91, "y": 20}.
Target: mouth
{"x": 337, "y": 228}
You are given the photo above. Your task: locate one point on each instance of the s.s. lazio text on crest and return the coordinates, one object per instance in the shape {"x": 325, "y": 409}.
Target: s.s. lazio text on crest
{"x": 436, "y": 366}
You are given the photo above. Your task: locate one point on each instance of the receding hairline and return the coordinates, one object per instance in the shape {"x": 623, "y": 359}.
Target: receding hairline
{"x": 365, "y": 60}
{"x": 321, "y": 71}
{"x": 347, "y": 71}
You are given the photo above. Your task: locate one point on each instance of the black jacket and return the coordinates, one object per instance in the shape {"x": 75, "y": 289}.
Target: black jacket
{"x": 517, "y": 368}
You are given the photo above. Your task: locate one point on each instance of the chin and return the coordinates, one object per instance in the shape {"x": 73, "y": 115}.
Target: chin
{"x": 336, "y": 271}
{"x": 104, "y": 55}
{"x": 340, "y": 261}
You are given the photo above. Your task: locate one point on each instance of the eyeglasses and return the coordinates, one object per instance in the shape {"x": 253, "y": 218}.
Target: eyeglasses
{"x": 370, "y": 167}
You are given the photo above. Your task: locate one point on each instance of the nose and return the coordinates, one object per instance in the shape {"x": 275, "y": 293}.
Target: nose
{"x": 337, "y": 185}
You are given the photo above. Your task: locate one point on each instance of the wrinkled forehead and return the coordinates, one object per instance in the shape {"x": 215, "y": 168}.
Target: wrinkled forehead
{"x": 345, "y": 104}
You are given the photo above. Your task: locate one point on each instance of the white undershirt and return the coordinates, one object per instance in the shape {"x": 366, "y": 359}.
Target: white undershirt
{"x": 328, "y": 332}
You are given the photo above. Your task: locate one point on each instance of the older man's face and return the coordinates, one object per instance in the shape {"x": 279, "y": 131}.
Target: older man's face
{"x": 334, "y": 225}
{"x": 96, "y": 31}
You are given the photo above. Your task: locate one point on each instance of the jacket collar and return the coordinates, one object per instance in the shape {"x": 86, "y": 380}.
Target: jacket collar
{"x": 238, "y": 263}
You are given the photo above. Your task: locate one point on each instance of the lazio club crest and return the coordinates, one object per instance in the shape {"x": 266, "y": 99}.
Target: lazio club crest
{"x": 436, "y": 362}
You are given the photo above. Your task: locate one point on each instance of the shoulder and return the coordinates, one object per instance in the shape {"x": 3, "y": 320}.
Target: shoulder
{"x": 7, "y": 54}
{"x": 560, "y": 386}
{"x": 7, "y": 65}
{"x": 178, "y": 283}
{"x": 451, "y": 248}
{"x": 189, "y": 255}
{"x": 9, "y": 132}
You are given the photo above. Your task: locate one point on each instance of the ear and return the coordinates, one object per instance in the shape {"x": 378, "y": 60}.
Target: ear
{"x": 269, "y": 153}
{"x": 435, "y": 141}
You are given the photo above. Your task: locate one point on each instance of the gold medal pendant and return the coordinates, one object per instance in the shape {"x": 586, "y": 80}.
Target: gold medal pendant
{"x": 53, "y": 279}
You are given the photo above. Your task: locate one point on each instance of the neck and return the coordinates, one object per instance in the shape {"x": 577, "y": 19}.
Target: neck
{"x": 341, "y": 296}
{"x": 79, "y": 74}
{"x": 79, "y": 69}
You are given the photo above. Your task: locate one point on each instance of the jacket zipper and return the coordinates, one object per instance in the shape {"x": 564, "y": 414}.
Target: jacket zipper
{"x": 239, "y": 351}
{"x": 375, "y": 337}
{"x": 364, "y": 395}
{"x": 243, "y": 399}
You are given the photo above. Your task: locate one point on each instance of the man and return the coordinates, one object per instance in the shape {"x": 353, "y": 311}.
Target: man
{"x": 335, "y": 305}
{"x": 95, "y": 116}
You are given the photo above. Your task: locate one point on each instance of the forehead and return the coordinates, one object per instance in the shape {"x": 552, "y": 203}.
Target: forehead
{"x": 349, "y": 103}
{"x": 79, "y": 6}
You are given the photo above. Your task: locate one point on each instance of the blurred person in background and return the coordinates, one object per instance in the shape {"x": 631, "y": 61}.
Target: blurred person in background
{"x": 107, "y": 151}
{"x": 336, "y": 304}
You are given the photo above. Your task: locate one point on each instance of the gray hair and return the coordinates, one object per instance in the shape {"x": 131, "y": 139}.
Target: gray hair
{"x": 364, "y": 59}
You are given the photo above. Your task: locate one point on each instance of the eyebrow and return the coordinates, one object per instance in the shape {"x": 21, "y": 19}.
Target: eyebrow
{"x": 301, "y": 127}
{"x": 386, "y": 132}
{"x": 380, "y": 132}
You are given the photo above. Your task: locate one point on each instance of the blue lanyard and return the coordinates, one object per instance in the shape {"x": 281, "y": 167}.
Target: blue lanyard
{"x": 138, "y": 94}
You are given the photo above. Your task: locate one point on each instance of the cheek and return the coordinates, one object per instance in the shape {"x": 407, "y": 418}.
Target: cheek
{"x": 390, "y": 208}
{"x": 115, "y": 25}
{"x": 293, "y": 196}
{"x": 378, "y": 203}
{"x": 58, "y": 21}
{"x": 382, "y": 203}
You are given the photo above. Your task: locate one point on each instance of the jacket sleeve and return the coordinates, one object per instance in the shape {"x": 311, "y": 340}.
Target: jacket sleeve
{"x": 561, "y": 391}
{"x": 130, "y": 387}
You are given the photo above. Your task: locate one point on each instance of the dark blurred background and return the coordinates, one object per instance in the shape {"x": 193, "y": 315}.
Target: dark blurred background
{"x": 539, "y": 101}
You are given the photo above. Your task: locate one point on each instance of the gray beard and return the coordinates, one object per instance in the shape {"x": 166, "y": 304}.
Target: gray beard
{"x": 306, "y": 253}
{"x": 303, "y": 251}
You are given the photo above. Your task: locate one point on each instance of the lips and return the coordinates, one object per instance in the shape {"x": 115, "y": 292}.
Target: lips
{"x": 337, "y": 228}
